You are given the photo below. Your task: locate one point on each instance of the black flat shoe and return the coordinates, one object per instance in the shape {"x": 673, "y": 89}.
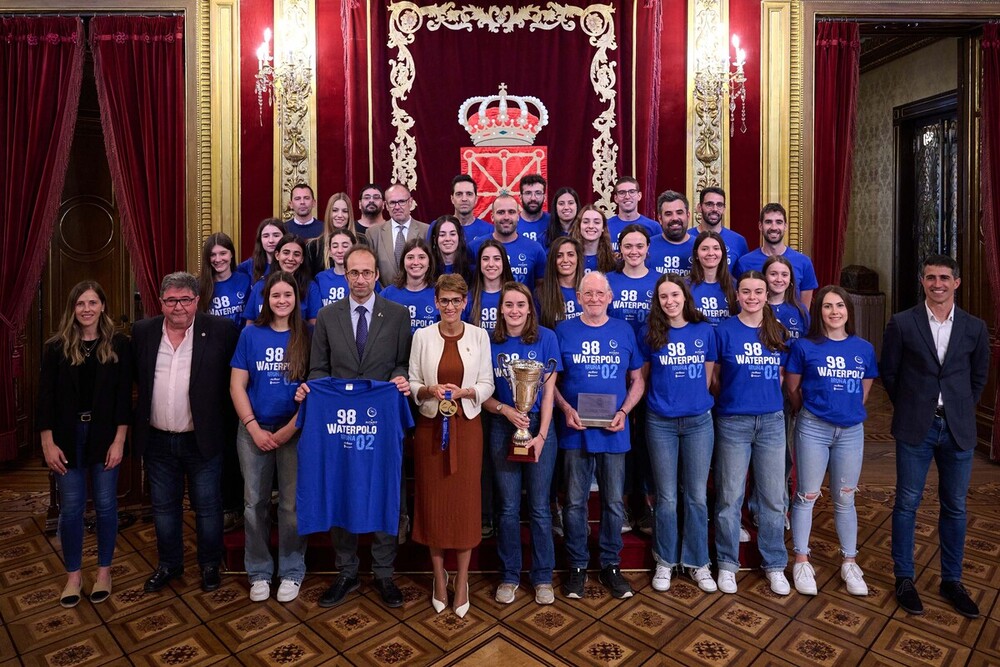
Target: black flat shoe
{"x": 907, "y": 597}
{"x": 338, "y": 591}
{"x": 955, "y": 593}
{"x": 392, "y": 597}
{"x": 161, "y": 578}
{"x": 210, "y": 579}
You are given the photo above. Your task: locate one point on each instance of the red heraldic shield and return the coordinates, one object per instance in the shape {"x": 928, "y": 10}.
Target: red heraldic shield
{"x": 499, "y": 170}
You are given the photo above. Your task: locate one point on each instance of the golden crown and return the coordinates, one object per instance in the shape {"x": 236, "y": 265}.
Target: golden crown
{"x": 502, "y": 119}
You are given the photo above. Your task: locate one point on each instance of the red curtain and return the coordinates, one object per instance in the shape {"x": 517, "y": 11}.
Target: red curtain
{"x": 990, "y": 189}
{"x": 838, "y": 48}
{"x": 139, "y": 67}
{"x": 42, "y": 63}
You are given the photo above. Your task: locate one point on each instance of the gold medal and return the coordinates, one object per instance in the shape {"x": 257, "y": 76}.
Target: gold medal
{"x": 447, "y": 408}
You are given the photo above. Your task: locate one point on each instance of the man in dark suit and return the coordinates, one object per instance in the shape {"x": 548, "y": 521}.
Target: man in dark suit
{"x": 388, "y": 238}
{"x": 362, "y": 336}
{"x": 184, "y": 419}
{"x": 935, "y": 357}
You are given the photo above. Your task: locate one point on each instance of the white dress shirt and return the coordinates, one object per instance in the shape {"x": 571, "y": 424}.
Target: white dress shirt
{"x": 171, "y": 401}
{"x": 941, "y": 335}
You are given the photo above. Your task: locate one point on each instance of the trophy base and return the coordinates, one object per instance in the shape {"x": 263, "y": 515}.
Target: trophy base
{"x": 521, "y": 453}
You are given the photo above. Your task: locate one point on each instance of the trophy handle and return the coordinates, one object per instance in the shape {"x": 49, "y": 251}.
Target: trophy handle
{"x": 550, "y": 367}
{"x": 503, "y": 361}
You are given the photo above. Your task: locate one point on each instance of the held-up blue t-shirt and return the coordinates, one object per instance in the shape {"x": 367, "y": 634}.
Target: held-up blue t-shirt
{"x": 802, "y": 267}
{"x": 794, "y": 321}
{"x": 527, "y": 258}
{"x": 711, "y": 301}
{"x": 632, "y": 297}
{"x": 351, "y": 456}
{"x": 616, "y": 225}
{"x": 261, "y": 352}
{"x": 255, "y": 303}
{"x": 543, "y": 349}
{"x": 534, "y": 230}
{"x": 667, "y": 257}
{"x": 832, "y": 372}
{"x": 489, "y": 310}
{"x": 678, "y": 386}
{"x": 229, "y": 296}
{"x": 596, "y": 360}
{"x": 750, "y": 382}
{"x": 423, "y": 312}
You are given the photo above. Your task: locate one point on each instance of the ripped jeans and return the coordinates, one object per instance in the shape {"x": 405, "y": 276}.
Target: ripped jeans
{"x": 817, "y": 444}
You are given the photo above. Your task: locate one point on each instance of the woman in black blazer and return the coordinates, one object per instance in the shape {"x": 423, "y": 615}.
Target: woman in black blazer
{"x": 84, "y": 407}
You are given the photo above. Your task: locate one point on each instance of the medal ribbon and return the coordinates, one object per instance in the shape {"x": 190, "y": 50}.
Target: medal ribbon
{"x": 445, "y": 428}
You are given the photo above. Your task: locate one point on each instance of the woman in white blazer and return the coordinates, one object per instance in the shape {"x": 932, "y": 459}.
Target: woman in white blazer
{"x": 451, "y": 374}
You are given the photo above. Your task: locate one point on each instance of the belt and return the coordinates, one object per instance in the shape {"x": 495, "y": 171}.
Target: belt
{"x": 84, "y": 416}
{"x": 161, "y": 431}
{"x": 939, "y": 412}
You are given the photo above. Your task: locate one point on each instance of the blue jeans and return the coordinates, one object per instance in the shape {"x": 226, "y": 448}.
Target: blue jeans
{"x": 954, "y": 469}
{"x": 740, "y": 439}
{"x": 681, "y": 444}
{"x": 169, "y": 457}
{"x": 580, "y": 469}
{"x": 73, "y": 500}
{"x": 258, "y": 478}
{"x": 817, "y": 444}
{"x": 536, "y": 478}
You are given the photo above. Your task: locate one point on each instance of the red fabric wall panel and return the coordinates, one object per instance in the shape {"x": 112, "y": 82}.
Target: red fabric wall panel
{"x": 671, "y": 169}
{"x": 330, "y": 106}
{"x": 744, "y": 150}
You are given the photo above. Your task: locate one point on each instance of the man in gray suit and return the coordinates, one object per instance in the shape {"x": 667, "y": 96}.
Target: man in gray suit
{"x": 388, "y": 238}
{"x": 362, "y": 336}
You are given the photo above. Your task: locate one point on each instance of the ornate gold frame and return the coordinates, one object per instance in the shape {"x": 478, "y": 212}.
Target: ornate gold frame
{"x": 405, "y": 20}
{"x": 707, "y": 120}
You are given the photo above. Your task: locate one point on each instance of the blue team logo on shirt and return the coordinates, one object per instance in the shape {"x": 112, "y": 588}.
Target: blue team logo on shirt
{"x": 793, "y": 321}
{"x": 372, "y": 412}
{"x": 240, "y": 295}
{"x": 613, "y": 343}
{"x": 532, "y": 354}
{"x": 429, "y": 310}
{"x": 699, "y": 343}
{"x": 859, "y": 360}
{"x": 522, "y": 257}
{"x": 649, "y": 294}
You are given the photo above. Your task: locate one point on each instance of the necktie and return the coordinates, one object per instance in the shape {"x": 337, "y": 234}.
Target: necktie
{"x": 400, "y": 242}
{"x": 361, "y": 337}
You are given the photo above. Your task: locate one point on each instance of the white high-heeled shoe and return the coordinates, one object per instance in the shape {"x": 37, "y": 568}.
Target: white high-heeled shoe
{"x": 440, "y": 605}
{"x": 462, "y": 610}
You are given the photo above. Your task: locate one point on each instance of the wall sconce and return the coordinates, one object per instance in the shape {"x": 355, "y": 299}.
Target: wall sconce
{"x": 717, "y": 77}
{"x": 291, "y": 78}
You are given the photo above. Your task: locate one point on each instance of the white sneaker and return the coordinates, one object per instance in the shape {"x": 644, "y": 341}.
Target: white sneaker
{"x": 804, "y": 577}
{"x": 854, "y": 578}
{"x": 727, "y": 581}
{"x": 260, "y": 590}
{"x": 744, "y": 534}
{"x": 703, "y": 577}
{"x": 288, "y": 590}
{"x": 779, "y": 585}
{"x": 661, "y": 578}
{"x": 544, "y": 594}
{"x": 505, "y": 593}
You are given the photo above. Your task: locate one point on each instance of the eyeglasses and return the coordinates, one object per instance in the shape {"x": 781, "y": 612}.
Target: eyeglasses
{"x": 395, "y": 203}
{"x": 594, "y": 295}
{"x": 354, "y": 274}
{"x": 627, "y": 193}
{"x": 372, "y": 198}
{"x": 712, "y": 204}
{"x": 173, "y": 302}
{"x": 454, "y": 301}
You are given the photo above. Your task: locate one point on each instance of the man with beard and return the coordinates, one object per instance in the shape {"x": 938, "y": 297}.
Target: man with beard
{"x": 302, "y": 201}
{"x": 712, "y": 210}
{"x": 371, "y": 203}
{"x": 772, "y": 226}
{"x": 670, "y": 252}
{"x": 627, "y": 197}
{"x": 464, "y": 196}
{"x": 533, "y": 221}
{"x": 388, "y": 238}
{"x": 527, "y": 258}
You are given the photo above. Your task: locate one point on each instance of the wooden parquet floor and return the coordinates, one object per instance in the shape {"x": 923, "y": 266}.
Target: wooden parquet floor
{"x": 184, "y": 626}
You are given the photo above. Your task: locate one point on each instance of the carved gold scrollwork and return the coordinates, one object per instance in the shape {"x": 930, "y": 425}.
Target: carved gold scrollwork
{"x": 596, "y": 21}
{"x": 709, "y": 139}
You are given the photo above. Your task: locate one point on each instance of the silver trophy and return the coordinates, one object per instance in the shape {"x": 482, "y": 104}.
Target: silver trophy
{"x": 525, "y": 377}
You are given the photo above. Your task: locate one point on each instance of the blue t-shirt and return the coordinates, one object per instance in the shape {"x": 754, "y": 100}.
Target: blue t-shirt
{"x": 796, "y": 323}
{"x": 489, "y": 309}
{"x": 711, "y": 301}
{"x": 255, "y": 303}
{"x": 261, "y": 352}
{"x": 802, "y": 267}
{"x": 329, "y": 287}
{"x": 678, "y": 386}
{"x": 736, "y": 245}
{"x": 309, "y": 231}
{"x": 589, "y": 263}
{"x": 632, "y": 297}
{"x": 832, "y": 372}
{"x": 423, "y": 312}
{"x": 472, "y": 231}
{"x": 527, "y": 258}
{"x": 596, "y": 360}
{"x": 351, "y": 456}
{"x": 229, "y": 296}
{"x": 616, "y": 225}
{"x": 667, "y": 257}
{"x": 541, "y": 350}
{"x": 533, "y": 230}
{"x": 246, "y": 266}
{"x": 571, "y": 307}
{"x": 750, "y": 382}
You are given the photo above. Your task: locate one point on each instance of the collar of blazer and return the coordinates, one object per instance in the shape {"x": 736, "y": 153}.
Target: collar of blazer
{"x": 924, "y": 327}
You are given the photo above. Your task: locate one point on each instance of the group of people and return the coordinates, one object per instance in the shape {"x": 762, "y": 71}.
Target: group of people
{"x": 675, "y": 353}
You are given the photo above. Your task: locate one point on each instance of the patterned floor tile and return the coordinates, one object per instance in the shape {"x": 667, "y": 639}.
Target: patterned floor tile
{"x": 447, "y": 630}
{"x": 978, "y": 659}
{"x": 130, "y": 598}
{"x": 23, "y": 551}
{"x": 306, "y": 605}
{"x": 824, "y": 545}
{"x": 232, "y": 594}
{"x": 978, "y": 522}
{"x": 416, "y": 594}
{"x": 500, "y": 646}
{"x": 940, "y": 618}
{"x": 195, "y": 648}
{"x": 703, "y": 644}
{"x": 601, "y": 644}
{"x": 876, "y": 660}
{"x": 754, "y": 624}
{"x": 804, "y": 645}
{"x": 768, "y": 660}
{"x": 153, "y": 624}
{"x": 825, "y": 522}
{"x": 989, "y": 640}
{"x": 549, "y": 625}
{"x": 876, "y": 564}
{"x": 755, "y": 587}
{"x": 17, "y": 530}
{"x": 923, "y": 551}
{"x": 31, "y": 600}
{"x": 7, "y": 649}
{"x": 977, "y": 571}
{"x": 352, "y": 622}
{"x": 252, "y": 624}
{"x": 398, "y": 645}
{"x": 296, "y": 647}
{"x": 881, "y": 596}
{"x": 482, "y": 591}
{"x": 870, "y": 514}
{"x": 843, "y": 618}
{"x": 647, "y": 620}
{"x": 31, "y": 572}
{"x": 917, "y": 647}
{"x": 31, "y": 632}
{"x": 87, "y": 649}
{"x": 683, "y": 595}
{"x": 982, "y": 545}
